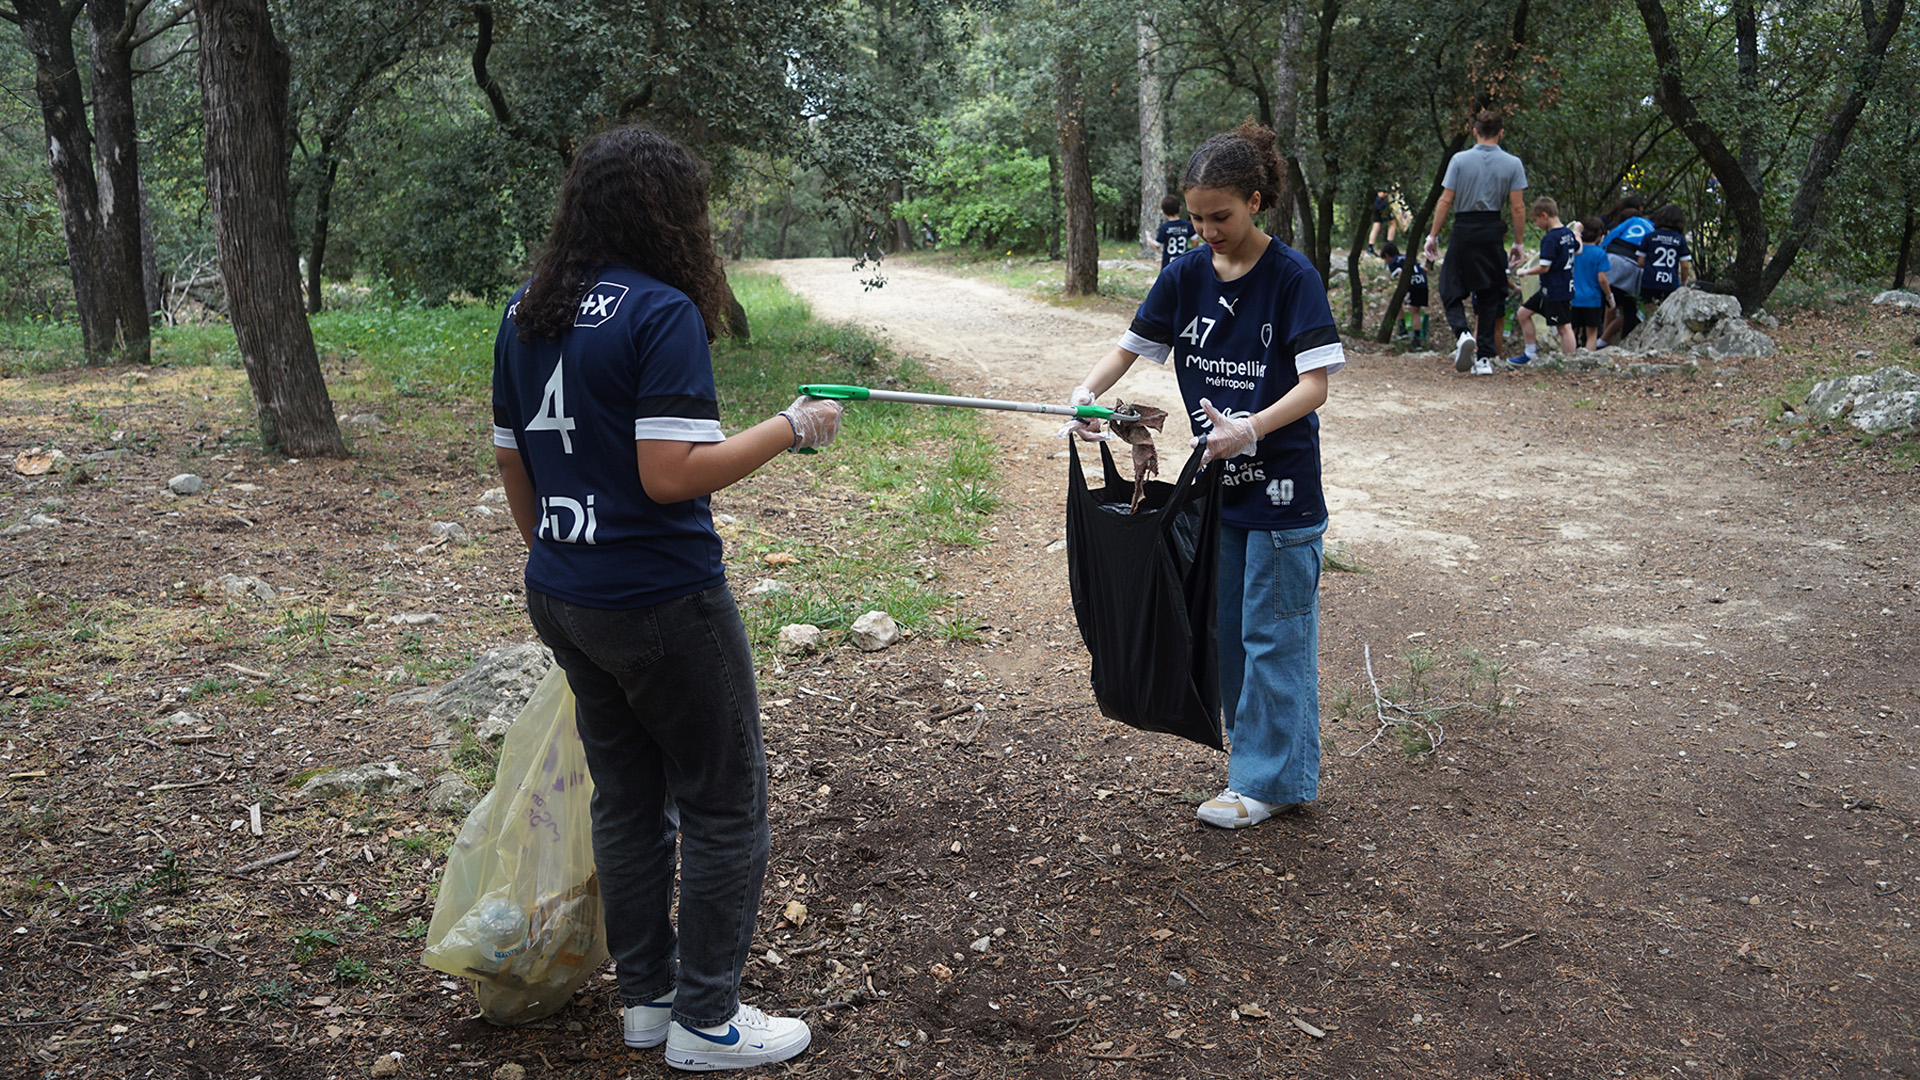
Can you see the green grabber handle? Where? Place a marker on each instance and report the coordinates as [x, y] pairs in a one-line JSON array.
[[861, 393]]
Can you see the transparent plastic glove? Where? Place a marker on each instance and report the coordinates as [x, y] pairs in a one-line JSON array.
[[1432, 250], [1516, 255], [1088, 430], [1230, 436], [815, 421]]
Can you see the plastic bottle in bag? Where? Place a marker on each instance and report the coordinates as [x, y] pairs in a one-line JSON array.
[[501, 928]]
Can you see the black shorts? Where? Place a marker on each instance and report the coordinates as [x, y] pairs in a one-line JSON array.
[[1416, 296], [1586, 316], [1556, 312]]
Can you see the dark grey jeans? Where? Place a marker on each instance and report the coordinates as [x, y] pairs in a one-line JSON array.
[[671, 723]]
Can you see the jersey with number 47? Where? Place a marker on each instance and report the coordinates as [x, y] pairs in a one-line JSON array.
[[634, 365], [1242, 345]]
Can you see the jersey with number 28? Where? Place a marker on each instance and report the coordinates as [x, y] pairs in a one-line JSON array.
[[634, 365], [1242, 345]]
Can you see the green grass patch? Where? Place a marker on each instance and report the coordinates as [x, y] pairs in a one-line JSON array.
[[1413, 707], [927, 475]]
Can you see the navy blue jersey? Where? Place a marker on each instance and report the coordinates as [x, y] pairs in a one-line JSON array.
[[1419, 278], [1242, 345], [1175, 237], [1664, 250], [1557, 251], [634, 365]]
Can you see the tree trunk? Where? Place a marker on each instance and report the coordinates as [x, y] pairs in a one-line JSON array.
[[329, 169], [1325, 193], [1076, 180], [1362, 221], [1906, 248], [1153, 135], [901, 228], [1753, 276], [117, 151], [48, 33], [1286, 121], [786, 219], [1053, 203], [1416, 240], [243, 93]]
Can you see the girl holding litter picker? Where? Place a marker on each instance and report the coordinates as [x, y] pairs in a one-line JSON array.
[[1253, 341], [607, 436]]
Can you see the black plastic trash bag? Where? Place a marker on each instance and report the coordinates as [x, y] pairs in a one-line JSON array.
[[1145, 595]]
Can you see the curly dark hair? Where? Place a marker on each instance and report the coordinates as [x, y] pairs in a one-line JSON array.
[[635, 197], [1243, 160]]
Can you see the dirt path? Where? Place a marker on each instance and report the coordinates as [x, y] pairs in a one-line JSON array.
[[1700, 806]]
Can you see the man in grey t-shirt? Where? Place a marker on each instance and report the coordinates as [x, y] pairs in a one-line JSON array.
[[1479, 181]]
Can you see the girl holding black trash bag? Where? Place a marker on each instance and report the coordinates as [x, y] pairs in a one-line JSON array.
[[607, 436], [1253, 341]]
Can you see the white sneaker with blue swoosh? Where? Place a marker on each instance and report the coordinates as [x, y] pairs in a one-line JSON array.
[[750, 1038], [646, 1025]]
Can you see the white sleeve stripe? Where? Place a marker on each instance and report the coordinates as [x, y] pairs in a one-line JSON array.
[[503, 437], [677, 429], [1332, 357], [1140, 346]]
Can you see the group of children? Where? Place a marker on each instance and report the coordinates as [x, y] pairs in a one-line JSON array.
[[1593, 279]]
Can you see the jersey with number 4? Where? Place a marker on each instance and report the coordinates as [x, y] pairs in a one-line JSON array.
[[1242, 345], [634, 365]]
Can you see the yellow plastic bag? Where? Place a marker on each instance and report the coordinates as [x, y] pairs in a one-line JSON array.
[[519, 909]]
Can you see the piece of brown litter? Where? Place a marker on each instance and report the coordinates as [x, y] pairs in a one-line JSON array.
[[1139, 434]]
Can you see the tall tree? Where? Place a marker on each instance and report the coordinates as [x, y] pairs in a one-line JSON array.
[[1153, 132], [96, 170], [244, 73], [1740, 136], [1082, 249]]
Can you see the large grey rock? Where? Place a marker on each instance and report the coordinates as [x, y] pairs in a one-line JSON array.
[[369, 779], [1734, 336], [490, 693], [1886, 413], [1695, 321], [241, 587], [186, 484], [452, 794], [875, 631], [1834, 398], [1899, 298]]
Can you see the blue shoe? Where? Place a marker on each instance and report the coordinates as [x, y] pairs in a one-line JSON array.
[[1519, 361], [646, 1025]]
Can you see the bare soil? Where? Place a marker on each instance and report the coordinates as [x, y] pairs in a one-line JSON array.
[[1680, 841]]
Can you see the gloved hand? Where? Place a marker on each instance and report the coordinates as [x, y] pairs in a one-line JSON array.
[[1229, 437], [1516, 255], [1432, 250], [1088, 430], [815, 421]]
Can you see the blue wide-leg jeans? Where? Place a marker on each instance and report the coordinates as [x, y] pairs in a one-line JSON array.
[[1270, 660], [670, 718]]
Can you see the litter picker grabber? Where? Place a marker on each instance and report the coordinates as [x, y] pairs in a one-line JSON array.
[[861, 393]]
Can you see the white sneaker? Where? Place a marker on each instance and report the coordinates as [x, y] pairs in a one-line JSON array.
[[1232, 810], [1463, 352], [646, 1025], [750, 1038], [1483, 366]]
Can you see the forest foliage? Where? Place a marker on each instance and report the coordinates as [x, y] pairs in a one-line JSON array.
[[424, 140]]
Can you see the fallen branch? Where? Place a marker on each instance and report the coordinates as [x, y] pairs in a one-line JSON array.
[[271, 860], [1436, 734]]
